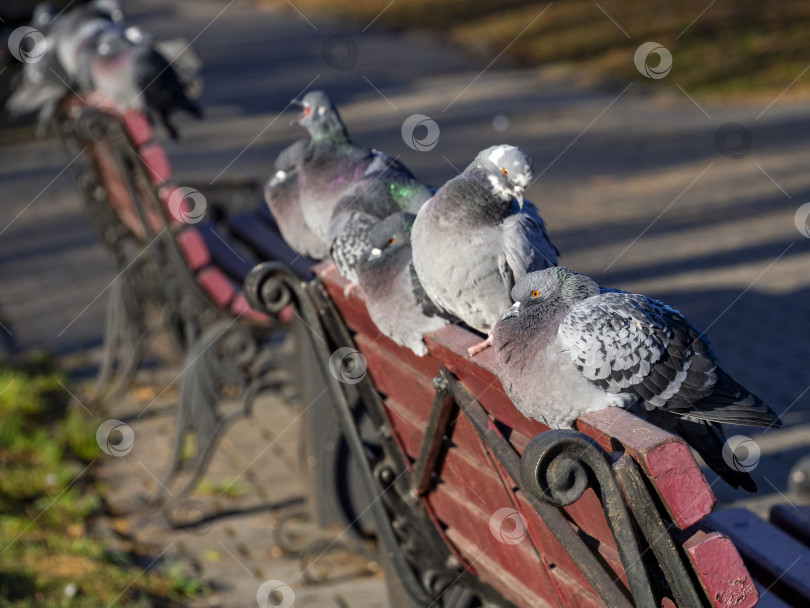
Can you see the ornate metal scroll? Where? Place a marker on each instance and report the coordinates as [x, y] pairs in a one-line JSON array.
[[558, 466], [429, 572]]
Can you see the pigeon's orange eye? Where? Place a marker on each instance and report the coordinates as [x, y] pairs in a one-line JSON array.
[[505, 172], [535, 293], [392, 241]]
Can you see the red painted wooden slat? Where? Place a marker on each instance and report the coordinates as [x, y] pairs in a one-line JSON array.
[[164, 193], [449, 344], [665, 458], [193, 248], [396, 380], [117, 194], [539, 530], [720, 570], [353, 310], [463, 436], [156, 162], [573, 594], [217, 285], [473, 523], [138, 127], [511, 587], [240, 307]]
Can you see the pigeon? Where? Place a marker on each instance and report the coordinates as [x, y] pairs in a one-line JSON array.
[[89, 52], [281, 196], [395, 299], [68, 43], [330, 165], [567, 347], [129, 71], [380, 193], [477, 236]]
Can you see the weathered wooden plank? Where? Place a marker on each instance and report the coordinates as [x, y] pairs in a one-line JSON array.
[[354, 312], [395, 379], [217, 286], [550, 544], [478, 374], [193, 248], [720, 570], [511, 587], [116, 191], [515, 556], [138, 127], [156, 162], [772, 556], [241, 308], [665, 458]]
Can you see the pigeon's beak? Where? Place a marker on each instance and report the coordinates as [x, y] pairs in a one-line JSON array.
[[306, 111], [375, 252], [514, 311], [519, 195]]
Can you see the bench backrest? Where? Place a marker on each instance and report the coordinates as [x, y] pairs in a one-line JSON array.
[[469, 497]]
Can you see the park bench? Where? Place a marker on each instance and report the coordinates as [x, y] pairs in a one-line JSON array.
[[191, 272], [467, 498], [478, 501]]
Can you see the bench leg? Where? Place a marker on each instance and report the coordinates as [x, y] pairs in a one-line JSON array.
[[226, 354]]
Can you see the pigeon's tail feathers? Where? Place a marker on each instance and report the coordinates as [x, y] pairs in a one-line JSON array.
[[29, 97], [167, 124], [707, 439], [731, 403]]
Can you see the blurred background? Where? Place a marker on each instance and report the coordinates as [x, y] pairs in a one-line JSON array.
[[685, 182]]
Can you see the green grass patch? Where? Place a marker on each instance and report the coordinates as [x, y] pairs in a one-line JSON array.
[[48, 499]]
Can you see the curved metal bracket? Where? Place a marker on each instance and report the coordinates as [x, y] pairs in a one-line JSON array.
[[270, 286], [558, 466]]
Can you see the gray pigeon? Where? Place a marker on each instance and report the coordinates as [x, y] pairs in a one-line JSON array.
[[395, 299], [130, 71], [566, 348], [330, 166], [477, 236], [69, 41], [281, 196], [380, 193]]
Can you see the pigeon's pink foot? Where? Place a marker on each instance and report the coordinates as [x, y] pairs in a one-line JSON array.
[[349, 289], [477, 348]]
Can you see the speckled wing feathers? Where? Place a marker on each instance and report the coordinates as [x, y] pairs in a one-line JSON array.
[[628, 343]]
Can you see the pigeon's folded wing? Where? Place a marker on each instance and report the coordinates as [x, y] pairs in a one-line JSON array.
[[628, 343], [525, 244], [380, 161], [291, 156]]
